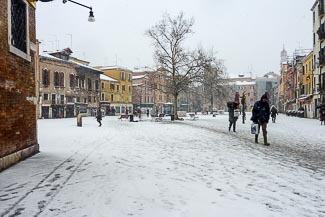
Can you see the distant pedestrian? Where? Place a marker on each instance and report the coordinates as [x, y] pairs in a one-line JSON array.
[[233, 115], [99, 117], [148, 113], [261, 116], [322, 115], [274, 113]]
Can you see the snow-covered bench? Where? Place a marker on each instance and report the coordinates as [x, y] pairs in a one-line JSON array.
[[157, 118], [193, 117], [124, 117]]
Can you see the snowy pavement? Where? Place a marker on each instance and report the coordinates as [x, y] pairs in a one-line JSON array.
[[187, 169]]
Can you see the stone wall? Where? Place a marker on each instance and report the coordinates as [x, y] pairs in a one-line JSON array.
[[18, 130]]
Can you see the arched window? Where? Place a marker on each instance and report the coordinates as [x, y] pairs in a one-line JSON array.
[[56, 79], [61, 79]]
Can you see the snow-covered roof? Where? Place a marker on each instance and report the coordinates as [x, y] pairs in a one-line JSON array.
[[48, 56], [242, 83], [85, 66], [114, 67], [135, 77], [136, 85], [107, 78], [143, 69]]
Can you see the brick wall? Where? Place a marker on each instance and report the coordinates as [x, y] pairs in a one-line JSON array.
[[18, 131]]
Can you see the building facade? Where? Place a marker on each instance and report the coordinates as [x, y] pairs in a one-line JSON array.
[[244, 85], [122, 92], [66, 86], [107, 93], [306, 90], [318, 78], [149, 90], [268, 83], [18, 58]]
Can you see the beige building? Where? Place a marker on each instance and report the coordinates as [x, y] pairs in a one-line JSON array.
[[66, 86], [149, 90]]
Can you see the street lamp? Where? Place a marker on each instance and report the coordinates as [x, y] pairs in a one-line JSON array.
[[91, 17]]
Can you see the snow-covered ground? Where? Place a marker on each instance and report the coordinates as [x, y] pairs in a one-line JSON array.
[[182, 168]]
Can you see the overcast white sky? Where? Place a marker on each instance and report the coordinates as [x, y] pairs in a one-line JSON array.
[[248, 35]]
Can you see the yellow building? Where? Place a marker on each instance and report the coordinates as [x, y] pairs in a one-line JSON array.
[[306, 91], [117, 92]]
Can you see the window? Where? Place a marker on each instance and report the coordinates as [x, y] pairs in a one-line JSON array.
[[45, 77], [56, 79], [78, 99], [103, 85], [85, 100], [72, 81], [53, 99], [62, 99], [61, 79], [112, 97], [46, 96], [112, 86], [118, 87], [82, 83], [129, 88], [18, 28], [77, 81], [123, 76], [89, 99], [123, 87], [95, 99], [89, 84], [96, 85], [103, 97], [130, 77]]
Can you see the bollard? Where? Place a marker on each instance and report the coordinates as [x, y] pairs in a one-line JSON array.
[[79, 120]]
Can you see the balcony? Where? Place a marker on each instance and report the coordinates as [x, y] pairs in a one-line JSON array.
[[321, 34]]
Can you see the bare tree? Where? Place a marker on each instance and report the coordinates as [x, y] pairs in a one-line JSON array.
[[182, 66], [214, 82]]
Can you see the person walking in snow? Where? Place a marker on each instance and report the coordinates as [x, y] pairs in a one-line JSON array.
[[274, 113], [148, 113], [233, 117], [99, 117], [322, 115], [261, 116]]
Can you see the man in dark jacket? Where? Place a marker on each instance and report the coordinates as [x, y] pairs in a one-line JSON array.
[[232, 117], [99, 117], [261, 116]]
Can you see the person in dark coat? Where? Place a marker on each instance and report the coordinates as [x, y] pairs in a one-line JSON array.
[[274, 113], [232, 117], [261, 116], [148, 113], [99, 117], [322, 115]]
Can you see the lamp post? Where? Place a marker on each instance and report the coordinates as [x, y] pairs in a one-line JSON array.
[[91, 17]]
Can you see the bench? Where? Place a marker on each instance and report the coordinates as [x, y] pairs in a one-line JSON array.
[[192, 116], [124, 117], [157, 118]]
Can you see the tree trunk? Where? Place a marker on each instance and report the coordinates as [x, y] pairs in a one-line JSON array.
[[175, 105], [211, 103]]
